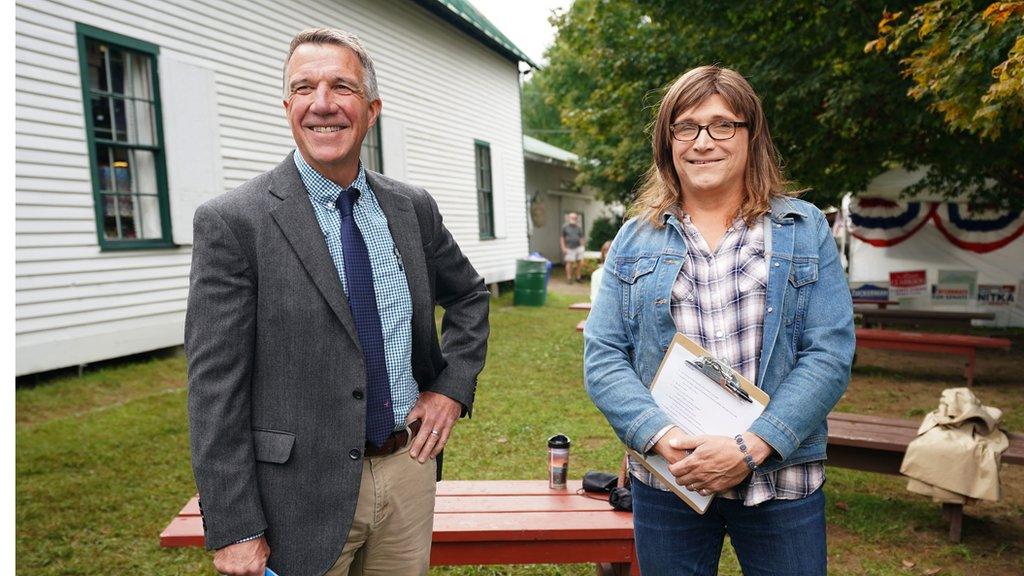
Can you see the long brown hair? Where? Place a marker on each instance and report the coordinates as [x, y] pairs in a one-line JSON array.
[[660, 190]]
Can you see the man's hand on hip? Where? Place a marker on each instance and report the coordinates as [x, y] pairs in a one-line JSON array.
[[437, 414], [243, 559]]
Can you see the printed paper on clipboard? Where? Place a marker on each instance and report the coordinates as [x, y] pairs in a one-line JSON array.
[[699, 404]]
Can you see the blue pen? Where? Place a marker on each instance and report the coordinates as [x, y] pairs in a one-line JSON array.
[[269, 572]]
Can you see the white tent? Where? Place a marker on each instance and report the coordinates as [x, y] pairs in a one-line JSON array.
[[886, 233]]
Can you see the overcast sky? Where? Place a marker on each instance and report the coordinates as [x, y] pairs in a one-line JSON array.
[[525, 22]]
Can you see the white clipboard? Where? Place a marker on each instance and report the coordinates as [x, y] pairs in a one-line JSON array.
[[698, 404]]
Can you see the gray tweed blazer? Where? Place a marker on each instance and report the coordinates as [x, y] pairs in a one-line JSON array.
[[275, 371]]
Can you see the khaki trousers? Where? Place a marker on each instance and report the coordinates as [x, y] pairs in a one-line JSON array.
[[394, 518]]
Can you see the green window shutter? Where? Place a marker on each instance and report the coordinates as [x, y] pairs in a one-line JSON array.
[[124, 130], [484, 190], [372, 153]]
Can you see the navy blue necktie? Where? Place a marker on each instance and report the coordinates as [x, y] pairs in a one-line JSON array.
[[362, 300]]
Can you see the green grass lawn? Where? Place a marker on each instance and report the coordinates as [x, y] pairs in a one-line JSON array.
[[103, 459]]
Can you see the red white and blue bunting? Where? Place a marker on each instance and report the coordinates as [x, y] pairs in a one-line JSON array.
[[978, 231], [882, 222]]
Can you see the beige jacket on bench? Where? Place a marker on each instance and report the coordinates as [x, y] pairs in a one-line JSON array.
[[955, 457]]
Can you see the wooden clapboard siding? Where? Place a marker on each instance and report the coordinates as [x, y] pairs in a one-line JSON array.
[[54, 240], [84, 292], [29, 197], [71, 280], [441, 89]]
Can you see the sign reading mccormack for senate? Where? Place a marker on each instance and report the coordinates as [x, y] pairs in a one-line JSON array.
[[957, 279], [957, 293]]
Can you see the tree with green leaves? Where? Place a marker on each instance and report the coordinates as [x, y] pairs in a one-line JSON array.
[[966, 61], [540, 117], [839, 116]]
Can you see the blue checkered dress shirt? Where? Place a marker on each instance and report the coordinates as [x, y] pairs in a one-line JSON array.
[[393, 300]]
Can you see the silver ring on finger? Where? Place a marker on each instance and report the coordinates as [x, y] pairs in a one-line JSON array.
[[435, 433]]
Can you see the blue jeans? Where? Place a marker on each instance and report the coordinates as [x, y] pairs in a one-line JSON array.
[[778, 537]]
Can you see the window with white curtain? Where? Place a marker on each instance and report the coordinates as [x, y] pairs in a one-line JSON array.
[[123, 124]]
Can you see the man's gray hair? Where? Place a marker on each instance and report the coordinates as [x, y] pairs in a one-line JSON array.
[[338, 38]]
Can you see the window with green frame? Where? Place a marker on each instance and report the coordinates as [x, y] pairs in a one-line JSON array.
[[484, 190], [121, 94], [371, 154]]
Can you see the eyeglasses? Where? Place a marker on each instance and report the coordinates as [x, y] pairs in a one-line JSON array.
[[720, 130]]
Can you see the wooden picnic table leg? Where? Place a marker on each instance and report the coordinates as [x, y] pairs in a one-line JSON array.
[[618, 569], [612, 569], [971, 360], [954, 513]]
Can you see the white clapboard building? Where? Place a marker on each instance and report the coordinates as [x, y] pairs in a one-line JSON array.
[[130, 113], [552, 194]]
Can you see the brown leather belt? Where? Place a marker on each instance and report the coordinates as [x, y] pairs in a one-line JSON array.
[[395, 442]]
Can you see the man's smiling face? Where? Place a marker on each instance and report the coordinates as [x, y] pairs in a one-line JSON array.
[[327, 108]]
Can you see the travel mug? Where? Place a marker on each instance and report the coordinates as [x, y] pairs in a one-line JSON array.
[[558, 461]]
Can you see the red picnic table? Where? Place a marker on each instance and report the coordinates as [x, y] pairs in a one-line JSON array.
[[940, 319], [501, 522], [959, 344]]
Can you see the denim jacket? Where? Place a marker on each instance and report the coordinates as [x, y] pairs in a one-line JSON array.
[[807, 346]]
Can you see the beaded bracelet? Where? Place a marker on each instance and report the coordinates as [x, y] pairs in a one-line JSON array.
[[747, 458]]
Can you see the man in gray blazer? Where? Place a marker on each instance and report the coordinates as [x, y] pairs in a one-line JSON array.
[[319, 396]]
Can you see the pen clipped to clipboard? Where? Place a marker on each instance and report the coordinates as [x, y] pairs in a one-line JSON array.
[[702, 396], [720, 374]]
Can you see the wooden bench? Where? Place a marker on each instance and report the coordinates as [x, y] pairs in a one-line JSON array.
[[880, 304], [524, 522], [960, 322], [962, 345], [877, 444], [500, 522]]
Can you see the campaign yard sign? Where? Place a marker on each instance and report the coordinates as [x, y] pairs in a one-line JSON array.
[[956, 279], [872, 291], [997, 294], [908, 283], [952, 293]]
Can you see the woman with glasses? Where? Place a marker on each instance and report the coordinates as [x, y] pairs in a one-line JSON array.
[[718, 251]]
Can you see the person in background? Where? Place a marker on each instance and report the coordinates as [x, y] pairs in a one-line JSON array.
[[595, 276], [717, 250], [571, 241]]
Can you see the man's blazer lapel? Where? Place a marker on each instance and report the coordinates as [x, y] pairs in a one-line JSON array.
[[405, 231], [295, 216]]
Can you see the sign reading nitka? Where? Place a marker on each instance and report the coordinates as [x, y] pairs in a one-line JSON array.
[[997, 294], [908, 283]]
